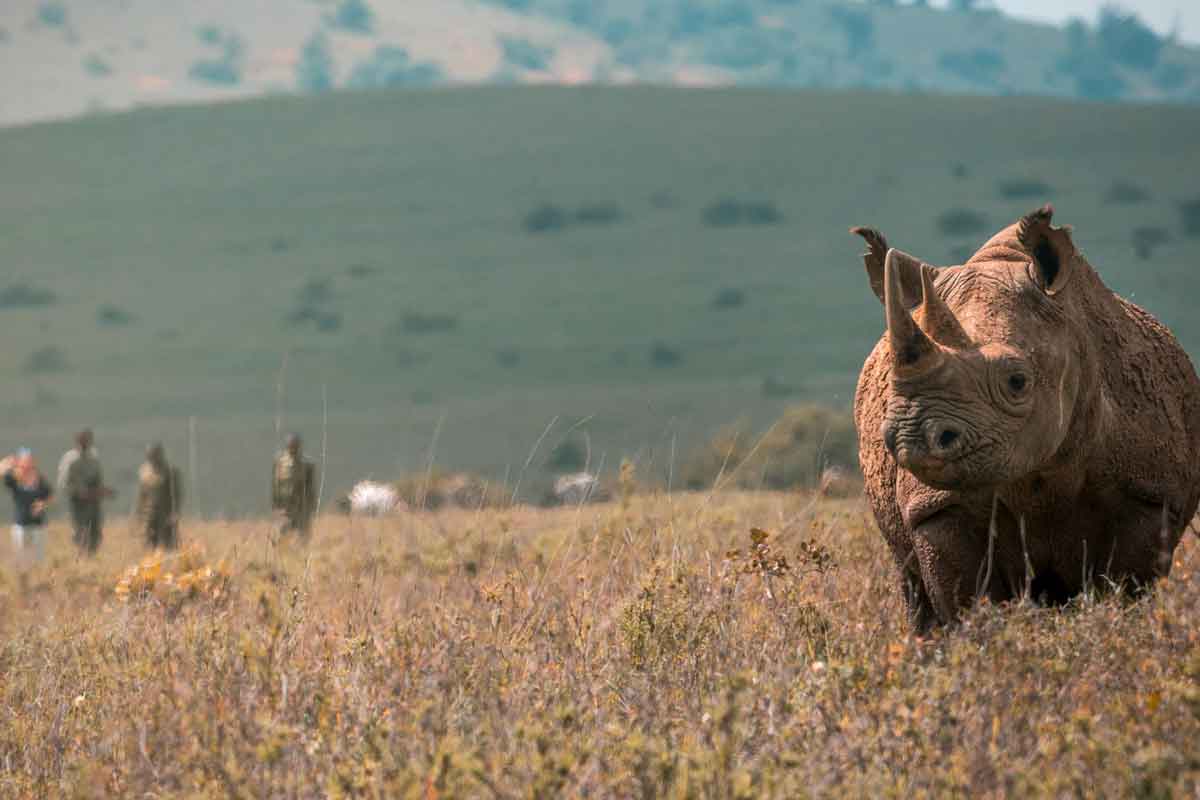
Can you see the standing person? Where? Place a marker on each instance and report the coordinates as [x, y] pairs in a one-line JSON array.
[[82, 481], [293, 489], [31, 493], [159, 498]]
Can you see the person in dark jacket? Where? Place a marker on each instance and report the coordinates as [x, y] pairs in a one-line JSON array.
[[31, 494]]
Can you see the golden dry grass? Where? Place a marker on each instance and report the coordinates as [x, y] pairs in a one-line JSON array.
[[608, 651]]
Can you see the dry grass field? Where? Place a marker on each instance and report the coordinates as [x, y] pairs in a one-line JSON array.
[[618, 650]]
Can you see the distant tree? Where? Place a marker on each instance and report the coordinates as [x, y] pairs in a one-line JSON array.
[[857, 26], [52, 15], [524, 54], [215, 71], [354, 16], [314, 72], [392, 66], [96, 66], [1170, 76], [1126, 39], [982, 66], [225, 70], [1090, 68], [1077, 34], [209, 34]]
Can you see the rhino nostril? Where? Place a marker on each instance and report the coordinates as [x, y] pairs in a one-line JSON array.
[[947, 438]]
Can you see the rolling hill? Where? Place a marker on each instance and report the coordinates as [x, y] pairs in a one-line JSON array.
[[451, 276], [69, 57]]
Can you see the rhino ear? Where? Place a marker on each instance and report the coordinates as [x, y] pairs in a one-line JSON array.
[[1051, 248], [909, 268]]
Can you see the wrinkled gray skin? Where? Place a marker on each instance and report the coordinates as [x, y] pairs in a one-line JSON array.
[[1017, 395]]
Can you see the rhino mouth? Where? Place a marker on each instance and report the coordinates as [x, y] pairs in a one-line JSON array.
[[930, 507]]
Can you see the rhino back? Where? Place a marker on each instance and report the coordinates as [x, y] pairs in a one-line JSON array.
[[1153, 397]]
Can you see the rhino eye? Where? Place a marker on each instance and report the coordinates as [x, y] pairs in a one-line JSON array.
[[1017, 382]]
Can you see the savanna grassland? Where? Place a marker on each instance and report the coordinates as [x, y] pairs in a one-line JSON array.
[[465, 272], [651, 647]]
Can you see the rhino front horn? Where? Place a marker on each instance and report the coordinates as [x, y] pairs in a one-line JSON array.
[[910, 345]]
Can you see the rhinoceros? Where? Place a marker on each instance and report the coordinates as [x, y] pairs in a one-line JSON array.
[[1023, 431]]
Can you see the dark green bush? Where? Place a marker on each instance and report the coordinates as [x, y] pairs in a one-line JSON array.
[[662, 356], [45, 361], [420, 322], [727, 298], [22, 295], [795, 452]]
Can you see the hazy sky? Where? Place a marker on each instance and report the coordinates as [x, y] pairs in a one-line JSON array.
[[1162, 15]]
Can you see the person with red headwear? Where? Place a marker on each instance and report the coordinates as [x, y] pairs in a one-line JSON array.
[[31, 493]]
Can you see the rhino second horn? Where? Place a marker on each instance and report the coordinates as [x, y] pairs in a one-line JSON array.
[[910, 345], [938, 320]]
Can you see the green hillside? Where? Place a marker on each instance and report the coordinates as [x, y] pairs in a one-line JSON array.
[[461, 268]]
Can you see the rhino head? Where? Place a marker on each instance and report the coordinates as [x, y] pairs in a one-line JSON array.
[[985, 358]]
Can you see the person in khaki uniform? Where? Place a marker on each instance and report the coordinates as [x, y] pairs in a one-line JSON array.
[[159, 498], [81, 479], [293, 489]]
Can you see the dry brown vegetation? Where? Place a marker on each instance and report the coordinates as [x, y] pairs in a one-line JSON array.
[[620, 650]]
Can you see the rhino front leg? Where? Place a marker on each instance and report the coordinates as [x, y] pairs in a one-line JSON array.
[[921, 614], [951, 551]]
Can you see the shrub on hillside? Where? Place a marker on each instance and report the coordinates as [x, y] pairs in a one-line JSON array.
[[508, 357], [315, 291], [961, 222], [795, 452], [598, 214], [1126, 193], [45, 361], [113, 316], [729, 212], [1024, 189], [1148, 238], [421, 322], [1189, 210], [22, 295], [663, 356], [727, 298], [546, 218]]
